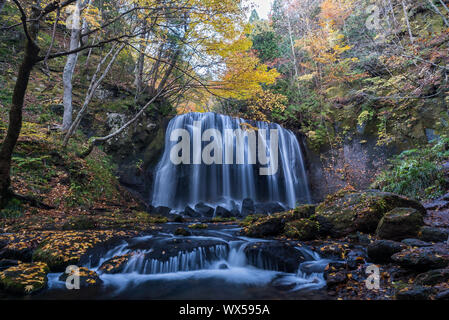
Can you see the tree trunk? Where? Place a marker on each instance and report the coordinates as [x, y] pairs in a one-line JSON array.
[[15, 120], [407, 21], [2, 4], [69, 69]]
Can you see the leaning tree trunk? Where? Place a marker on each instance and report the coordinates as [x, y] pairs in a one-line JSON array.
[[15, 120]]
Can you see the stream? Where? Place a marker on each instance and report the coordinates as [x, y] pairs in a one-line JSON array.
[[215, 263]]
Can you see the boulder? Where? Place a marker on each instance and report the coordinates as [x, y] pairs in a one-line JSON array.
[[302, 229], [416, 243], [162, 211], [443, 295], [188, 211], [116, 264], [380, 251], [437, 205], [433, 234], [265, 228], [334, 279], [88, 278], [399, 224], [274, 256], [446, 196], [248, 207], [182, 232], [413, 293], [7, 263], [222, 212], [355, 257], [269, 208], [204, 210], [349, 211], [24, 278], [422, 259], [433, 277]]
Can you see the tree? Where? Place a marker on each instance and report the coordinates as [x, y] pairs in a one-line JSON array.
[[31, 17], [70, 65]]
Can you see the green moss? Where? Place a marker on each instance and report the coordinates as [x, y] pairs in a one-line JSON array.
[[26, 278], [198, 226], [303, 229]]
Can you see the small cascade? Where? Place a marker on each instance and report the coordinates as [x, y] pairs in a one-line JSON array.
[[218, 260]]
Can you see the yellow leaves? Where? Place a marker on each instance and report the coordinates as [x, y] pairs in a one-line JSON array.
[[244, 77], [29, 288]]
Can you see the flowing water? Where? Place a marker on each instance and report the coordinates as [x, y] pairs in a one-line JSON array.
[[211, 264], [176, 186]]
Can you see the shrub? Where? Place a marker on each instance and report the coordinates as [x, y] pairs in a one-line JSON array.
[[417, 173]]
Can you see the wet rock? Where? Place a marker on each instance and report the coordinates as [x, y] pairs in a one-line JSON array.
[[416, 243], [274, 225], [433, 277], [437, 205], [399, 224], [269, 208], [413, 293], [332, 250], [204, 210], [434, 234], [162, 211], [20, 253], [222, 212], [178, 219], [349, 212], [7, 263], [355, 257], [248, 207], [182, 232], [422, 259], [25, 278], [380, 251], [302, 229], [223, 266], [443, 295], [446, 196], [334, 279], [88, 278], [188, 211], [116, 264], [265, 228], [274, 256]]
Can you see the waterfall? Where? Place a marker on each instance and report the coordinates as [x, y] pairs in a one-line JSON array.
[[178, 185]]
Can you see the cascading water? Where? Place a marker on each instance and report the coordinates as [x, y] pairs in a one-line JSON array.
[[176, 186], [216, 263]]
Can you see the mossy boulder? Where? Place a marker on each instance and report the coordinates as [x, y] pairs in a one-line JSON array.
[[274, 225], [302, 229], [348, 211], [399, 224], [25, 278], [182, 232]]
